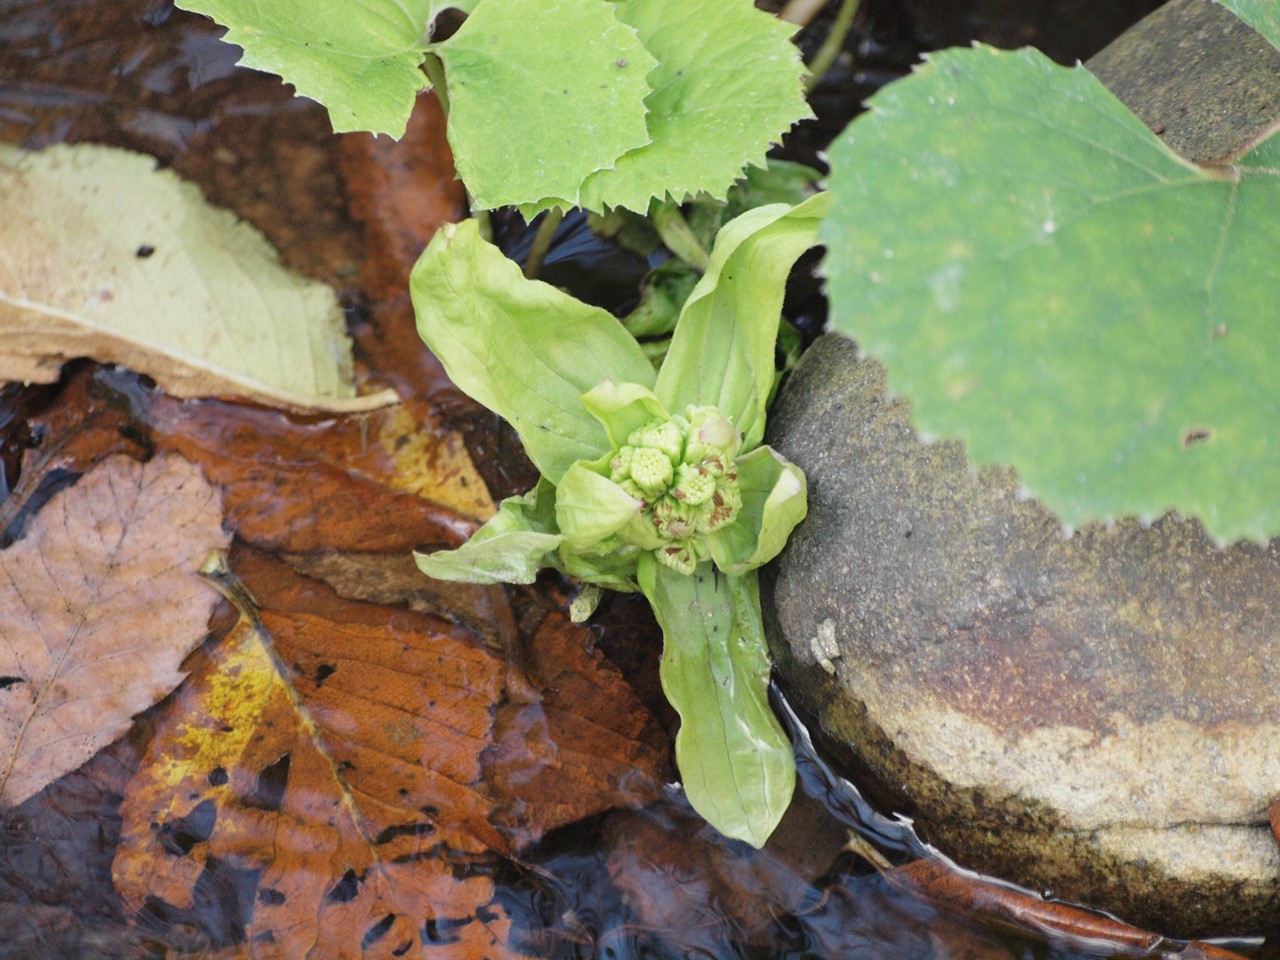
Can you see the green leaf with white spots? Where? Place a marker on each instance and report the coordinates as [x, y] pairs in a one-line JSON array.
[[1046, 280], [543, 93], [727, 85], [361, 60]]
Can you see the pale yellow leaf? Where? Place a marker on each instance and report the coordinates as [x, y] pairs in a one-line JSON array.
[[104, 256]]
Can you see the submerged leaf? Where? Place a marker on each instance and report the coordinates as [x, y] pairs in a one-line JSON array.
[[104, 256], [722, 353], [1046, 280], [521, 347], [359, 766], [542, 94], [361, 60], [99, 605], [735, 761]]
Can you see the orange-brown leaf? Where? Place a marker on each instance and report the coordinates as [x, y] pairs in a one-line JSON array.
[[99, 605], [341, 753], [240, 776]]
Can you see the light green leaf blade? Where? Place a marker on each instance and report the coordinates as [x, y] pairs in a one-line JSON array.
[[1262, 15], [542, 94], [103, 255], [774, 501], [520, 347], [361, 60], [736, 763], [591, 508], [622, 408], [613, 571], [1047, 281], [727, 85], [722, 351], [510, 548]]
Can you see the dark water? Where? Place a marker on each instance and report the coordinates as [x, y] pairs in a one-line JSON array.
[[648, 883]]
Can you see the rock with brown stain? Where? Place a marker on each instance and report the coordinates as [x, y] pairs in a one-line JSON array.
[[1096, 715]]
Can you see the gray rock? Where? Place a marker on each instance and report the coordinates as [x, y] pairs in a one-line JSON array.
[[1098, 716]]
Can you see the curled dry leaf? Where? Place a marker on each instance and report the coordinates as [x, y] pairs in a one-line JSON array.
[[99, 605], [105, 256], [343, 756]]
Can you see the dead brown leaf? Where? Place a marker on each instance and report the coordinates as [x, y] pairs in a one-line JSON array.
[[99, 604], [344, 755], [1003, 906]]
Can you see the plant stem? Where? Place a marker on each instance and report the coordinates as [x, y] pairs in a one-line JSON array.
[[832, 46], [542, 242], [435, 73], [679, 237], [800, 12], [483, 224]]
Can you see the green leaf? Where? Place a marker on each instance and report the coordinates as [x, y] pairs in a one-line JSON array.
[[663, 297], [360, 60], [735, 761], [520, 347], [1046, 280], [613, 571], [591, 508], [727, 85], [622, 408], [1262, 15], [723, 348], [102, 255], [510, 548], [542, 94], [774, 500]]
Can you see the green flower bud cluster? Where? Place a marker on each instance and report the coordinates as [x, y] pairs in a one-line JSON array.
[[683, 472]]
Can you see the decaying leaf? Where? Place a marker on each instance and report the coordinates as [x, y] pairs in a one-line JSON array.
[[385, 481], [107, 257], [357, 763], [999, 905], [99, 604]]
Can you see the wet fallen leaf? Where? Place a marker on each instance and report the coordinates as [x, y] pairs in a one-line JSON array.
[[300, 487], [59, 844], [99, 604], [355, 767], [1005, 907], [102, 252], [385, 481], [401, 190], [348, 857]]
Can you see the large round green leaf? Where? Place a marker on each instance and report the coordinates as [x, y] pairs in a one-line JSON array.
[[542, 93], [1044, 279], [727, 85], [360, 59]]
